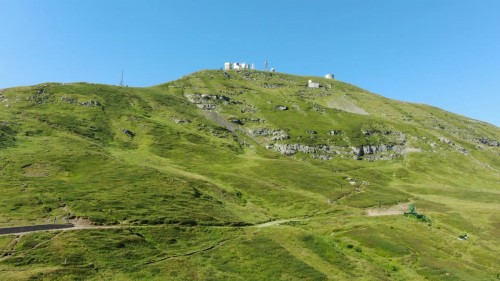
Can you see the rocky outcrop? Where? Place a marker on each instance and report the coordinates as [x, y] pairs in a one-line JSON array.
[[447, 141], [235, 121], [275, 134], [90, 103], [327, 152], [281, 107], [291, 149], [209, 102], [452, 144], [207, 106], [128, 132], [487, 141], [334, 132], [41, 96], [253, 120], [182, 121]]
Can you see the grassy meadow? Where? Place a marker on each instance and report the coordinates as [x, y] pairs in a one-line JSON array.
[[178, 180]]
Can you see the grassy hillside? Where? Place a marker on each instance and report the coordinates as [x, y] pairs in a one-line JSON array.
[[181, 176]]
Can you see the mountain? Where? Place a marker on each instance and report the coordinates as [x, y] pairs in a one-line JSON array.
[[244, 176]]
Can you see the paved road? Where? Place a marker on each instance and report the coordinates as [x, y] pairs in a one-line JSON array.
[[33, 228]]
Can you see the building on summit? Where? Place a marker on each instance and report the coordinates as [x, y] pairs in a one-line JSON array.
[[238, 66], [312, 84]]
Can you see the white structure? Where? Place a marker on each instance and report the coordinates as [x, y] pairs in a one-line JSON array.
[[236, 66], [312, 84], [329, 76]]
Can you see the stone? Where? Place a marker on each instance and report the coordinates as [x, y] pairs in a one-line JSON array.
[[128, 132], [182, 121]]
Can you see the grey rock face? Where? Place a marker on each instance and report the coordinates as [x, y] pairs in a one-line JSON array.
[[487, 141], [235, 121], [334, 132], [209, 102], [447, 141], [90, 103], [207, 106], [128, 132], [275, 134], [182, 121]]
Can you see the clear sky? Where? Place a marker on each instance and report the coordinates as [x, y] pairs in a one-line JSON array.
[[444, 53]]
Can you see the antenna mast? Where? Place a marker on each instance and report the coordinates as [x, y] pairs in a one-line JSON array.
[[265, 65], [121, 80]]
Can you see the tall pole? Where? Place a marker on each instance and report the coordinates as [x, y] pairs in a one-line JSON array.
[[121, 80]]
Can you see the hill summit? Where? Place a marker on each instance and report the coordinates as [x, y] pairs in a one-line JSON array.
[[244, 175]]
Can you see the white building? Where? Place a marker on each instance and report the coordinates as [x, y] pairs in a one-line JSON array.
[[312, 84], [329, 76], [237, 66]]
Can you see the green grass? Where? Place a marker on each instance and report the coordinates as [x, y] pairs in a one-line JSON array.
[[182, 192]]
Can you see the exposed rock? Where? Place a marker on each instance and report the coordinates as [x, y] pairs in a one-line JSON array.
[[207, 106], [281, 107], [371, 149], [255, 120], [334, 132], [235, 120], [41, 96], [182, 121], [248, 108], [312, 132], [291, 149], [367, 152], [128, 132], [447, 141], [201, 99], [322, 157], [462, 150], [90, 103], [487, 141], [275, 134], [69, 100]]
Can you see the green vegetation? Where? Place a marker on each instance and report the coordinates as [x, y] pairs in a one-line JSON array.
[[176, 179]]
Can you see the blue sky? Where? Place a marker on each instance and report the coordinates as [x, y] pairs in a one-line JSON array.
[[444, 53]]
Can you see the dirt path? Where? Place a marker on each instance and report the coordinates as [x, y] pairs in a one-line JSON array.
[[83, 223], [277, 222], [398, 209]]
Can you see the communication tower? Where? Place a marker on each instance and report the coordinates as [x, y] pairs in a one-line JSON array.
[[121, 80]]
